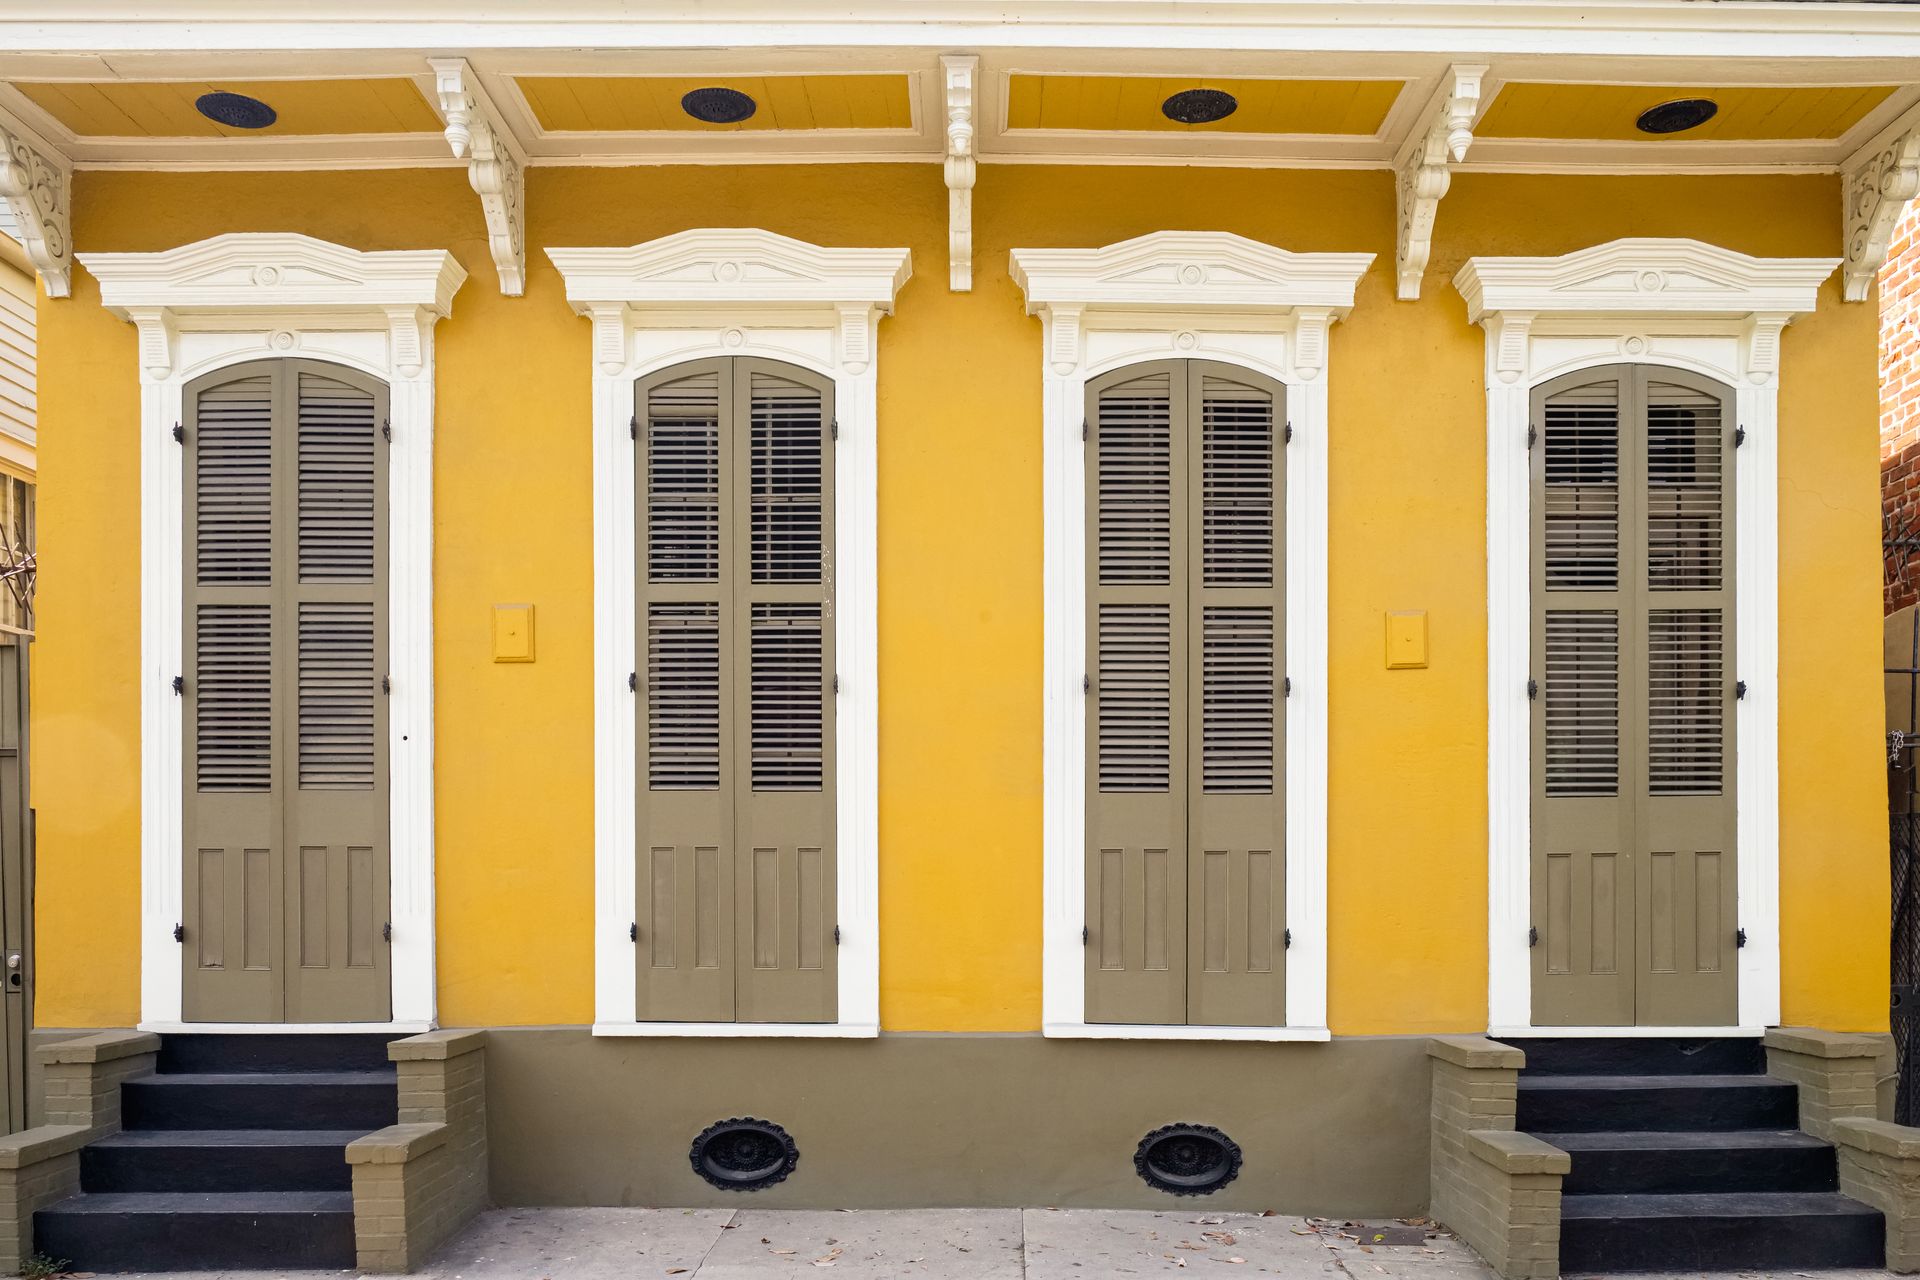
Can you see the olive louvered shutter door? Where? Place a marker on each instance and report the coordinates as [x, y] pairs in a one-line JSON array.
[[736, 890], [234, 966], [685, 627], [1235, 774], [783, 749], [1632, 803], [285, 804]]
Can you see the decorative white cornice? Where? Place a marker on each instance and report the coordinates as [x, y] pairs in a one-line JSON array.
[[959, 74], [1642, 276], [1424, 169], [36, 186], [1191, 272], [250, 274], [738, 269], [496, 165], [1877, 184]]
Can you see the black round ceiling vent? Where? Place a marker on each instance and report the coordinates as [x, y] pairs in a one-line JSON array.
[[235, 110], [1199, 106], [1187, 1159], [1677, 116], [718, 106], [744, 1154]]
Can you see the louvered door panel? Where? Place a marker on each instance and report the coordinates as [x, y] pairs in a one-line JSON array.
[[1236, 924], [285, 623], [1136, 856], [684, 917], [784, 881], [1633, 866]]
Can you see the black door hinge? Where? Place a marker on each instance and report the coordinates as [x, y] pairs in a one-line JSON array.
[[1286, 687], [179, 685], [633, 932], [1086, 684], [633, 427], [1083, 430], [386, 430], [1533, 436], [1288, 438], [1533, 690], [179, 434], [1286, 939], [633, 682], [179, 933], [1739, 690], [1739, 436], [836, 683], [386, 931], [836, 935], [1533, 935], [386, 685], [1085, 936], [1739, 937], [833, 429]]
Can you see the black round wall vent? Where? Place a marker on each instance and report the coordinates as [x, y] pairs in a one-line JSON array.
[[744, 1154], [718, 106], [235, 110], [1199, 106], [1677, 116], [1187, 1159]]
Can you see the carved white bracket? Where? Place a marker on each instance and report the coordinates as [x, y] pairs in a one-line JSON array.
[[36, 185], [495, 166], [1424, 168], [959, 73], [1878, 184]]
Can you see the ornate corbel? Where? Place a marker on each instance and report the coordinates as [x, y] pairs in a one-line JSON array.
[[495, 165], [1310, 325], [1424, 170], [609, 335], [1879, 183], [959, 73], [1760, 346], [407, 329], [1508, 349], [856, 336], [1064, 328], [36, 182], [154, 325]]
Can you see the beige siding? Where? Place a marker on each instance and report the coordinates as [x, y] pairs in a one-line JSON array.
[[17, 353]]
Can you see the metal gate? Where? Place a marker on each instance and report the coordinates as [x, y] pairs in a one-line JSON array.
[[1902, 639]]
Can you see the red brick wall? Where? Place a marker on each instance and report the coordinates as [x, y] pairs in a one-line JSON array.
[[1900, 406]]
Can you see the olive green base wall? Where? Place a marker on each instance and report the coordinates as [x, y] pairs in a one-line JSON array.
[[957, 1120]]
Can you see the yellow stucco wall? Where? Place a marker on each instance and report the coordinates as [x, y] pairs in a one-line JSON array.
[[960, 527]]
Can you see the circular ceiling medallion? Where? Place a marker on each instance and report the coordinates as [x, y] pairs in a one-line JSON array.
[[1199, 106], [744, 1154], [1187, 1159], [1677, 116], [235, 110], [718, 105]]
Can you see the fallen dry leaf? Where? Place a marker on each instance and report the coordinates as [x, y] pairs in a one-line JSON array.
[[1219, 1237], [1236, 1259], [676, 1271], [782, 1252]]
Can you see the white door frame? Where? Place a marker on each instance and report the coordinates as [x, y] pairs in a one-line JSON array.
[[230, 300], [1686, 305]]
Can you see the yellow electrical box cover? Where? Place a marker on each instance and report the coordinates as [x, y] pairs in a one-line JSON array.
[[1406, 639], [513, 633]]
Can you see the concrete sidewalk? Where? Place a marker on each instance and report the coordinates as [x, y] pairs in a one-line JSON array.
[[936, 1244]]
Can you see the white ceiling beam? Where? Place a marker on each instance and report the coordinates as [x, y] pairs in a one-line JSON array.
[[959, 74], [496, 166], [1424, 168], [1876, 185], [36, 186]]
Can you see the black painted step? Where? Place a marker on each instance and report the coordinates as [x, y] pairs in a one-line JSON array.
[[1586, 1104], [363, 1100], [1636, 1056], [199, 1232], [198, 1052], [219, 1160], [1674, 1163], [1776, 1231]]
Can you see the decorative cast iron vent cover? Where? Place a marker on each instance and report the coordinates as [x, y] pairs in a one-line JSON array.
[[1187, 1159], [1199, 106], [744, 1154], [1677, 116], [718, 105], [235, 110]]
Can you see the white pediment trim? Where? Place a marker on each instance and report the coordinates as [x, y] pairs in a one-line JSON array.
[[1190, 270], [1643, 276], [732, 265], [250, 274]]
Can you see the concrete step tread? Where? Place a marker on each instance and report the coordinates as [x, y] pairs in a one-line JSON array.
[[206, 1202], [1682, 1140], [266, 1079], [1555, 1083], [230, 1138], [1738, 1204]]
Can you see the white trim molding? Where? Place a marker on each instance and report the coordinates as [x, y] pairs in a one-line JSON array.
[[1424, 169], [693, 296], [959, 75], [1686, 305], [1184, 295], [496, 166], [255, 296], [36, 188], [1876, 186]]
